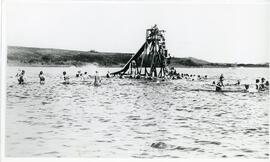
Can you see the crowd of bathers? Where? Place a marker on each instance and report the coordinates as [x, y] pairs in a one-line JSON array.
[[261, 84], [191, 77], [66, 79], [174, 75]]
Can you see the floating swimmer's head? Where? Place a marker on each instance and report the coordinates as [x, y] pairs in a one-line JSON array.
[[41, 72], [267, 83], [257, 80], [64, 73]]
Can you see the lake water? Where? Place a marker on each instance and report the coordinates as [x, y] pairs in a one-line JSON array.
[[124, 117]]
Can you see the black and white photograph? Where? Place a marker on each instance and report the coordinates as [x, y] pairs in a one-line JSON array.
[[135, 79]]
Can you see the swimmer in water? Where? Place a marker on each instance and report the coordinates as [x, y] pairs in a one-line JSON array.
[[18, 73], [79, 74], [246, 87], [257, 84], [41, 77], [238, 82], [261, 87], [218, 86], [97, 80], [221, 79], [267, 85], [84, 76], [108, 74], [21, 78], [66, 78]]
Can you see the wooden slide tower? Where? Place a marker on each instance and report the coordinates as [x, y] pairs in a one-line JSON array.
[[151, 60]]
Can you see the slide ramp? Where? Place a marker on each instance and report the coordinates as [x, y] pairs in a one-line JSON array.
[[137, 55]]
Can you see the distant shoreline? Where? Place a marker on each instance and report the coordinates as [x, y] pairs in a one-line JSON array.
[[27, 65], [48, 57]]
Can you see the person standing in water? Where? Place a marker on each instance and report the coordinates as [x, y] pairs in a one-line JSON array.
[[220, 83], [97, 81], [257, 82], [21, 78], [221, 79], [18, 73], [267, 85], [84, 77], [79, 74], [66, 78], [108, 74], [261, 86], [41, 77], [218, 86]]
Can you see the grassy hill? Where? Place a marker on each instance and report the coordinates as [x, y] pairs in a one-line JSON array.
[[47, 56], [28, 56], [188, 61]]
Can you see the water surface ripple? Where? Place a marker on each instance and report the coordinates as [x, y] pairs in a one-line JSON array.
[[134, 118]]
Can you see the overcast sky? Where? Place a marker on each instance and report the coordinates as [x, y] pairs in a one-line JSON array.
[[214, 32]]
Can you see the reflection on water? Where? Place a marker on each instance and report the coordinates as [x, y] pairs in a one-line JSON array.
[[134, 118]]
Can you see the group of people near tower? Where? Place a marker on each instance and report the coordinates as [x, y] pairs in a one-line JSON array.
[[261, 84], [192, 77]]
